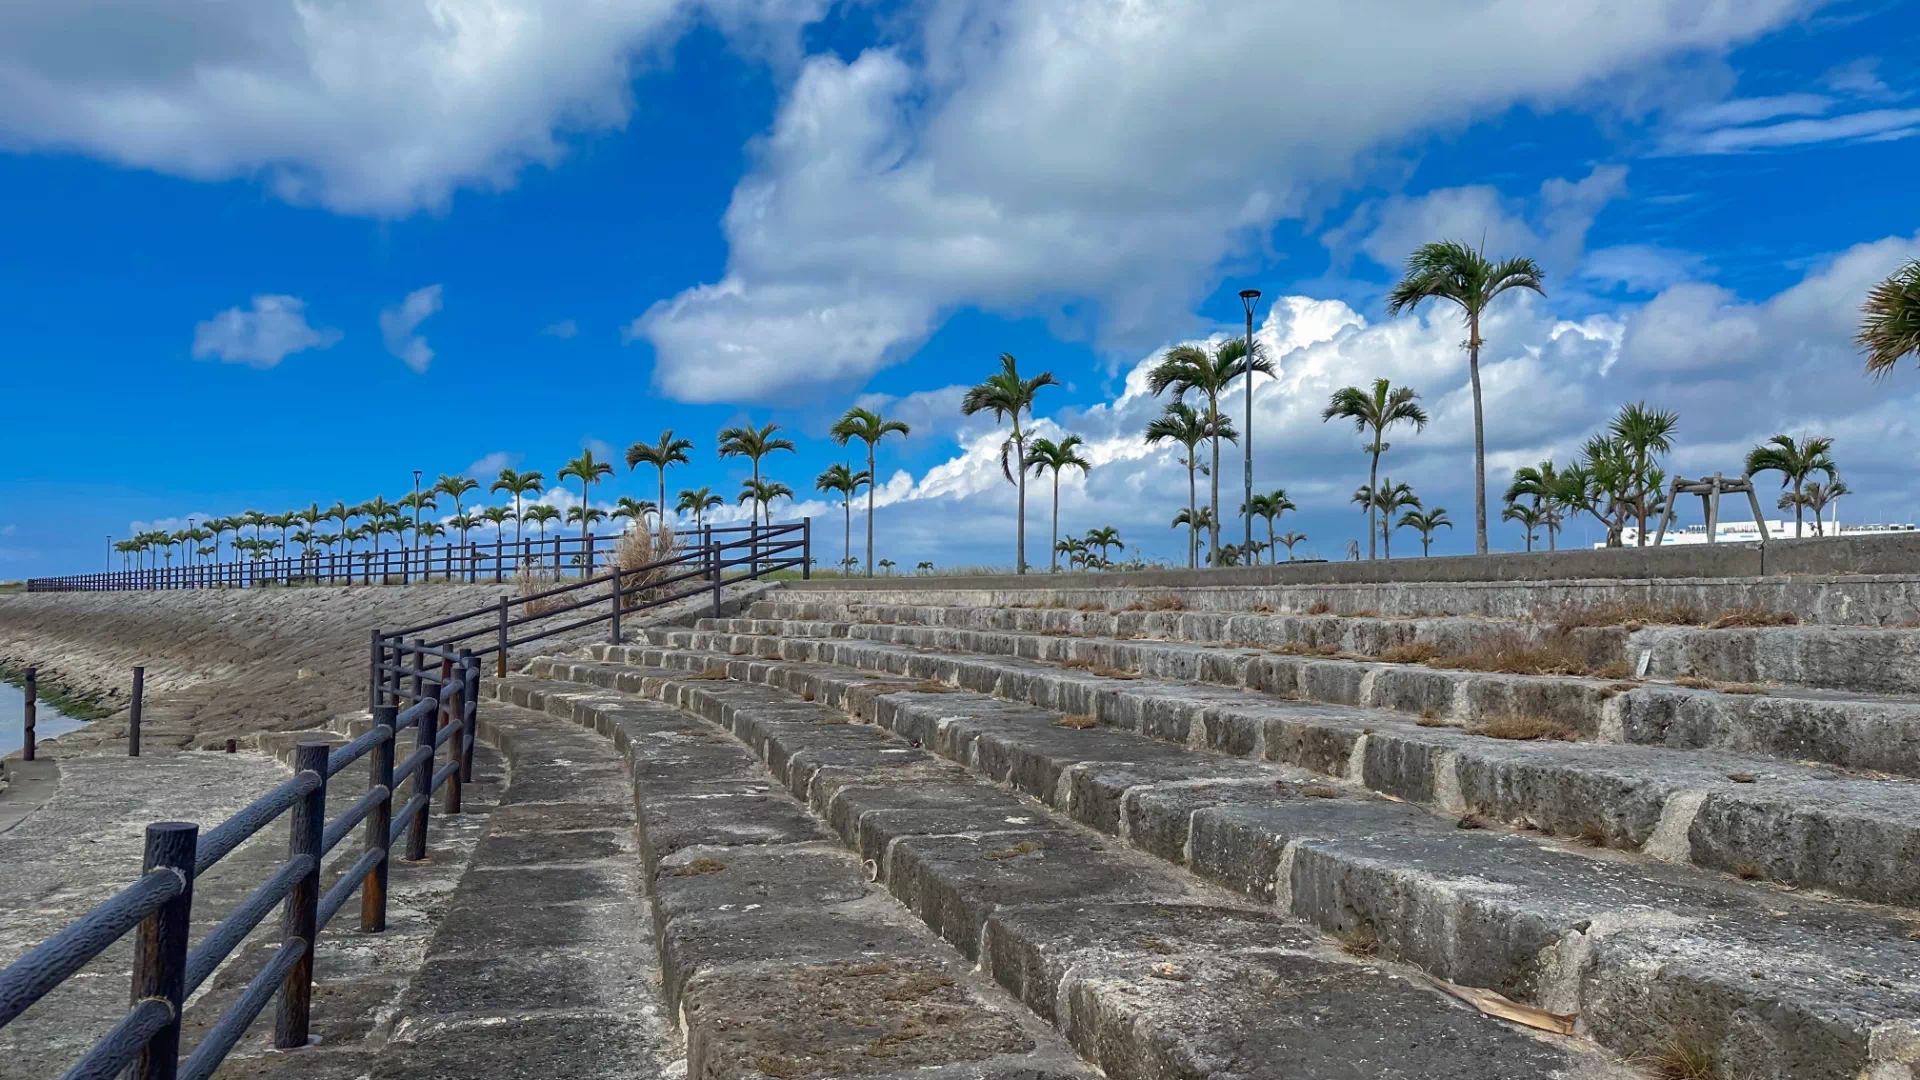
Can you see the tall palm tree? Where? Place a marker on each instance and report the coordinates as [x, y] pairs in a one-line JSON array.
[[256, 519], [1541, 484], [753, 444], [1074, 548], [419, 502], [519, 485], [1642, 434], [456, 488], [1796, 462], [1046, 454], [339, 512], [1451, 271], [762, 493], [668, 452], [1196, 521], [1191, 368], [1390, 498], [464, 522], [1183, 424], [1424, 522], [540, 514], [589, 472], [1269, 507], [869, 427], [1377, 411], [1890, 320], [697, 502], [1103, 538], [844, 482], [1528, 517], [585, 516], [1005, 394]]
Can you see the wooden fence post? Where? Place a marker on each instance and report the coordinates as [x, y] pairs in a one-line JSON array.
[[133, 715], [32, 690], [160, 951], [373, 892], [300, 915]]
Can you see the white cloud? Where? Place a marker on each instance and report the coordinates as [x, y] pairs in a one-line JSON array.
[[262, 336], [1874, 125], [362, 106], [398, 323], [1641, 267], [1552, 227], [563, 329], [925, 412], [175, 523], [488, 468], [1029, 156], [1744, 125]]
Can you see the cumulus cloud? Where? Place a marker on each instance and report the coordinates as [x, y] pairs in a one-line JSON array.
[[488, 467], [274, 328], [1551, 227], [362, 106], [398, 323], [1061, 157]]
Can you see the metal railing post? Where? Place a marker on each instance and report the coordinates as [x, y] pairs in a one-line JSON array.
[[429, 730], [160, 951], [375, 677], [300, 916], [133, 714], [470, 674], [500, 656], [713, 562], [456, 713], [373, 891], [419, 667], [614, 638], [32, 691], [806, 549]]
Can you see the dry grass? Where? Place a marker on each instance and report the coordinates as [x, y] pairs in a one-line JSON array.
[[1742, 777], [1681, 1057], [1318, 791], [1470, 821], [1024, 847], [713, 674], [1107, 672], [1411, 652], [929, 686], [535, 577], [1093, 605], [1360, 942], [1319, 607], [640, 546], [1430, 718], [1513, 653], [1522, 728], [1166, 602], [1741, 618], [1695, 682], [1592, 835], [1747, 871], [699, 866], [1077, 662], [1620, 613], [1078, 722]]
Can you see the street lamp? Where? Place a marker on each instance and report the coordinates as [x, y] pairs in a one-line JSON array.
[[109, 553], [1248, 298]]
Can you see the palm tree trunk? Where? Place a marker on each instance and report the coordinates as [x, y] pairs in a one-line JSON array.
[[869, 509], [1373, 482], [1193, 514], [1798, 509], [1020, 513], [1386, 538], [1272, 556], [1054, 567], [1479, 438], [1213, 534]]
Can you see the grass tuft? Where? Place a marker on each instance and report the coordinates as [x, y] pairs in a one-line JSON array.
[[1741, 618], [1592, 835], [1107, 672], [1620, 613], [1093, 605], [1411, 652], [1512, 653], [1522, 728], [1747, 871], [712, 674], [1319, 607], [699, 866], [1024, 847], [1078, 722], [1166, 602], [1360, 942], [1681, 1056], [931, 686], [1470, 821], [1318, 791]]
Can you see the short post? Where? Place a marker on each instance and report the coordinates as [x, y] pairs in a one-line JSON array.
[[806, 549], [456, 713], [300, 915], [617, 575], [499, 559], [133, 716], [500, 654], [160, 952], [470, 668], [32, 691], [587, 570], [713, 562], [373, 892], [429, 730]]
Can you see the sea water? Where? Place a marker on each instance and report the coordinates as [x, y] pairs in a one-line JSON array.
[[47, 720]]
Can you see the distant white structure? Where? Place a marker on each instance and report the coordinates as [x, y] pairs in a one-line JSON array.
[[1738, 532]]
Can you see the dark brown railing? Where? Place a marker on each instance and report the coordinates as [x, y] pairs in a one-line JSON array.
[[168, 968], [472, 562]]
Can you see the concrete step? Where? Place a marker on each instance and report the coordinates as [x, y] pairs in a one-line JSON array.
[[1876, 734], [773, 951], [1148, 972], [1861, 659], [1764, 982], [1789, 823]]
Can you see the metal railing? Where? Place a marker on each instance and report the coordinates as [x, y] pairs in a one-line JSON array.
[[158, 907], [472, 562]]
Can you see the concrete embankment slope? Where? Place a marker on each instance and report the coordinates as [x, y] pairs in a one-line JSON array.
[[220, 663]]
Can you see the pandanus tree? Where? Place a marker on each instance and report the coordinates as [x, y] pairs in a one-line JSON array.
[[1044, 456], [1376, 411], [1796, 462], [697, 501], [1006, 395], [519, 485], [1424, 522], [843, 481], [1890, 320], [1455, 273], [869, 427], [1181, 423], [589, 471], [662, 455], [753, 444], [1191, 368]]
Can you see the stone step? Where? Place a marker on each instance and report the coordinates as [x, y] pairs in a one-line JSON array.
[[1148, 972], [1788, 823], [1868, 734], [1860, 659], [774, 953], [1615, 939]]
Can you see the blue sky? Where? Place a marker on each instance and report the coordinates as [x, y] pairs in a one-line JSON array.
[[263, 255]]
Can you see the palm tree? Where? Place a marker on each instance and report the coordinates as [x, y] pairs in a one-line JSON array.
[[1103, 538], [1006, 394], [1289, 540], [464, 522], [419, 502], [1890, 320], [1073, 548], [1541, 484], [588, 471], [1046, 454], [256, 519], [456, 487], [1182, 424], [753, 444], [1527, 516], [1451, 271], [540, 514], [1818, 496], [339, 512], [1796, 462], [1390, 498], [1377, 411], [842, 481], [698, 502], [1424, 522], [499, 516], [1270, 506], [1641, 433], [585, 516], [923, 567], [1190, 367], [662, 455], [519, 485], [633, 509], [1195, 521], [376, 509], [761, 494], [867, 426]]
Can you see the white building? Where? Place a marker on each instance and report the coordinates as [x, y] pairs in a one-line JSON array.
[[1745, 532]]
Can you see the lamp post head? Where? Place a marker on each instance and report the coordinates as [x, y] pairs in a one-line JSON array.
[[1248, 298]]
